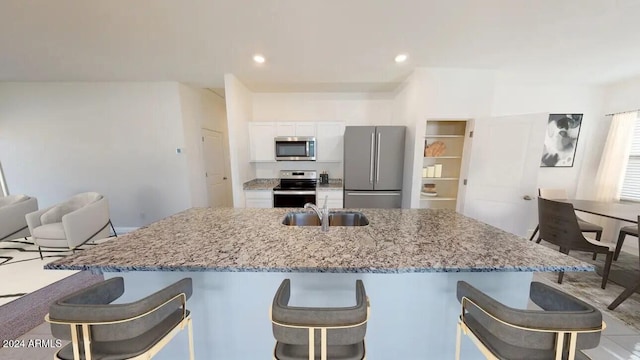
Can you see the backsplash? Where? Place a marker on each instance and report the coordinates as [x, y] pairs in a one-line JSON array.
[[271, 170]]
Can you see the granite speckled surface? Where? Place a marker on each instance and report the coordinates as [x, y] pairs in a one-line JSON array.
[[255, 240], [334, 184], [260, 184], [269, 184]]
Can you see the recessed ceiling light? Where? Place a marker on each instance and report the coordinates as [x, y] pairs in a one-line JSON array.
[[258, 58], [401, 58]]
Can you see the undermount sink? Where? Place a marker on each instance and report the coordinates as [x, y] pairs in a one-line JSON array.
[[336, 218]]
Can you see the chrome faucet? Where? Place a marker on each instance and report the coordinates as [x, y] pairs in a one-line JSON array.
[[323, 214]]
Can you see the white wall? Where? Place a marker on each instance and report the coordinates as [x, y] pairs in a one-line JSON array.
[[622, 96], [405, 111], [514, 96], [239, 113], [446, 93], [200, 109], [193, 115], [119, 139]]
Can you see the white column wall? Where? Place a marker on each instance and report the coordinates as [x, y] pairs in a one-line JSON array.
[[239, 113]]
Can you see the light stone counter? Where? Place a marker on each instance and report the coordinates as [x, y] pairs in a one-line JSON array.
[[409, 260], [260, 184], [255, 240]]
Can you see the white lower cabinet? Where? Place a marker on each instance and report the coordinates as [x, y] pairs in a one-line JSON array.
[[334, 200], [258, 199]]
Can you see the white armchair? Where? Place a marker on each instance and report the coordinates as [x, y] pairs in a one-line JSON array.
[[73, 223], [13, 209], [13, 224]]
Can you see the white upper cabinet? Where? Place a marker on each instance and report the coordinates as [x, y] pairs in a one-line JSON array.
[[296, 128], [330, 141], [305, 129], [329, 138], [261, 141]]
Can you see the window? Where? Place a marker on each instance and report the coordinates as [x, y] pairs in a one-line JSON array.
[[631, 184]]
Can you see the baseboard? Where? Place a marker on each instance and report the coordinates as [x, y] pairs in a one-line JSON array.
[[124, 230]]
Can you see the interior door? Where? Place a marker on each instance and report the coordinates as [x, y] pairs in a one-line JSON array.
[[503, 171], [389, 159], [217, 179]]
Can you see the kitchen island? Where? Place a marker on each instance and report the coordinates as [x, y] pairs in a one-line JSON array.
[[409, 260]]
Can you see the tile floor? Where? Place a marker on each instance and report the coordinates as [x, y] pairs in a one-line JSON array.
[[618, 342]]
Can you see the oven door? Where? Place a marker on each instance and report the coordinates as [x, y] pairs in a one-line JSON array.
[[295, 199]]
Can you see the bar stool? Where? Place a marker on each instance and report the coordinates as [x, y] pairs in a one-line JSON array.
[[137, 330], [341, 329], [563, 327]]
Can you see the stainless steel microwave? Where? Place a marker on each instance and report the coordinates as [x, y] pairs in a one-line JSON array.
[[295, 148]]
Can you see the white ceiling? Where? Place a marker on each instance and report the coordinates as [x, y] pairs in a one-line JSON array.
[[319, 44]]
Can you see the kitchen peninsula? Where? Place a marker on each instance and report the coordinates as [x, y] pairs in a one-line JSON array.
[[409, 260]]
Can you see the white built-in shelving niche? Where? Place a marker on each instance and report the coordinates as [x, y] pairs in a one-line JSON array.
[[452, 133]]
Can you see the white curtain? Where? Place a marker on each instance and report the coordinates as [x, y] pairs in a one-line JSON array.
[[615, 157]]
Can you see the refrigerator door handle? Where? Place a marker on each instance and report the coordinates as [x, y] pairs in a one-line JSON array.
[[371, 154], [378, 158], [376, 193]]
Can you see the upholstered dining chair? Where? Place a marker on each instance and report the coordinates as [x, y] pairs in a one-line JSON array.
[[341, 329], [624, 231], [71, 224], [559, 226], [561, 194], [563, 327], [100, 330], [13, 225]]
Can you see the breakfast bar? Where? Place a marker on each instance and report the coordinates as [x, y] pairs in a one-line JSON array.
[[409, 260]]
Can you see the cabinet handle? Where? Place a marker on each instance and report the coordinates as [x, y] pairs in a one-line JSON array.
[[373, 140], [378, 156]]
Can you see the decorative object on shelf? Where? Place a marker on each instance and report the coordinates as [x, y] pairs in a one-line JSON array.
[[438, 170], [431, 171], [436, 148], [561, 140], [429, 190]]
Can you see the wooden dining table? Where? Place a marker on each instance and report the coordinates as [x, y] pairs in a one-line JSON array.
[[620, 211]]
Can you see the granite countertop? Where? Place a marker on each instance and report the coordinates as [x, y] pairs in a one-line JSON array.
[[255, 240], [260, 184], [269, 184], [334, 184]]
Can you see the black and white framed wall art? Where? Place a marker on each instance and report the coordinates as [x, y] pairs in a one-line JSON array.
[[561, 140]]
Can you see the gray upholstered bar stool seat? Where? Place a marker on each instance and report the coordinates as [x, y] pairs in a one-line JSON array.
[[99, 330], [319, 333], [564, 326]]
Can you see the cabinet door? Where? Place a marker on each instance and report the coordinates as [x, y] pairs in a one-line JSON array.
[[261, 141], [286, 129], [334, 198], [330, 141], [258, 199], [305, 129], [258, 203]]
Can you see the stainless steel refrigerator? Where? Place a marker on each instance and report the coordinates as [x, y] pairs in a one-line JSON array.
[[373, 166]]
